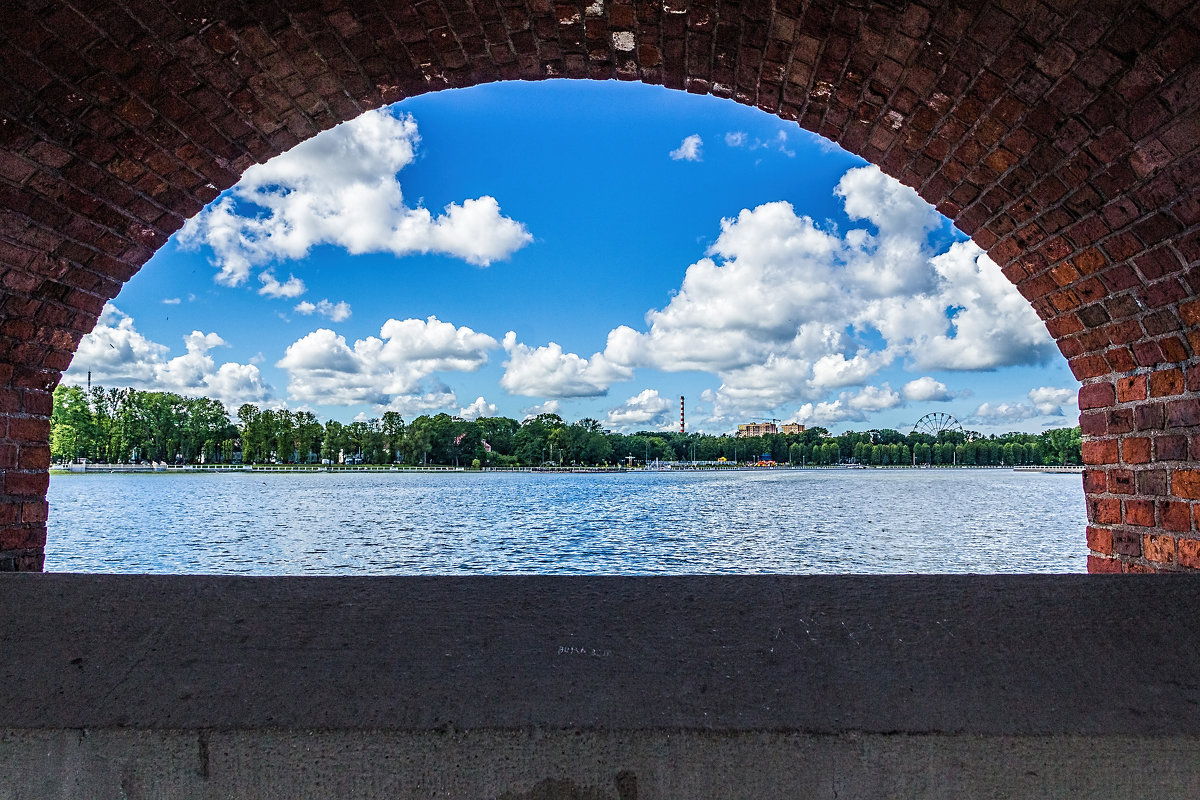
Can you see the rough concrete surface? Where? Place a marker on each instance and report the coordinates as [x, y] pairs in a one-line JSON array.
[[589, 765], [584, 687]]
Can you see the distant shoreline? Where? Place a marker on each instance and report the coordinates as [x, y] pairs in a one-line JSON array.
[[311, 469]]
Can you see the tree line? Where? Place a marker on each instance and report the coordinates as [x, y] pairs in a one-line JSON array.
[[128, 425]]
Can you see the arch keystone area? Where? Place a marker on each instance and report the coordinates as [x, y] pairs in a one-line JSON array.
[[1064, 138]]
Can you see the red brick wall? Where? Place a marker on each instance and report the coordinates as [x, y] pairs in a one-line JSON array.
[[1061, 136]]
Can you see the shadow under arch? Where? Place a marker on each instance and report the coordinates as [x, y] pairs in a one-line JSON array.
[[1064, 143]]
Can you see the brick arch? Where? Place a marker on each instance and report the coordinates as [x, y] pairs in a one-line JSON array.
[[1062, 137]]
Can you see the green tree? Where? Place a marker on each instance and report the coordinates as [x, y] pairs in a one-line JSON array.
[[72, 427], [531, 442], [310, 436], [334, 443], [391, 425], [1062, 446], [498, 433]]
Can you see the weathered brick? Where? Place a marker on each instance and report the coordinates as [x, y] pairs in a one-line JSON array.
[[1159, 548], [1088, 366], [1135, 449], [1175, 515], [1192, 378], [1131, 389], [26, 484], [35, 511], [1095, 481], [1121, 481], [1100, 451], [1186, 483], [20, 537], [1147, 354], [1097, 565], [1183, 413], [1100, 540], [1140, 513], [1119, 420], [1189, 313], [1097, 395], [1104, 511], [1120, 359], [1093, 423], [29, 429], [1127, 542], [1152, 482], [37, 403], [1187, 552], [1173, 348], [1170, 448], [1149, 416], [33, 457], [1167, 382]]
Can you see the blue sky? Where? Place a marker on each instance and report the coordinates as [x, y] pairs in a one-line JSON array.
[[594, 249]]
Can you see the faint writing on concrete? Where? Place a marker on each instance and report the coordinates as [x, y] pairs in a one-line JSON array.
[[589, 652]]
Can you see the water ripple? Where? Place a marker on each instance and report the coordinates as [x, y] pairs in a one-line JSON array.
[[794, 522]]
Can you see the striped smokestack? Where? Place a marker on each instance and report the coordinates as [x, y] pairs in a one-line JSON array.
[[681, 428]]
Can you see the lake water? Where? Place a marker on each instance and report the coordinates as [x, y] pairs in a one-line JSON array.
[[803, 521]]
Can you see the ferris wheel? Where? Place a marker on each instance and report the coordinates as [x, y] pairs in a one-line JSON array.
[[936, 422]]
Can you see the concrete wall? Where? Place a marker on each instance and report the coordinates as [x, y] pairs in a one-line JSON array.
[[746, 687]]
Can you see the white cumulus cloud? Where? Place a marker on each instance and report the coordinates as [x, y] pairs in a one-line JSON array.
[[118, 355], [740, 139], [689, 149], [925, 389], [784, 310], [834, 369], [548, 371], [827, 414], [1044, 401], [849, 406], [323, 368], [271, 287], [644, 411], [1050, 401], [994, 413], [478, 408], [548, 407], [874, 398], [431, 398], [340, 188], [335, 312]]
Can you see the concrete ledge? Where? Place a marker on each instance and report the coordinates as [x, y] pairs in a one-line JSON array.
[[846, 686], [588, 765]]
